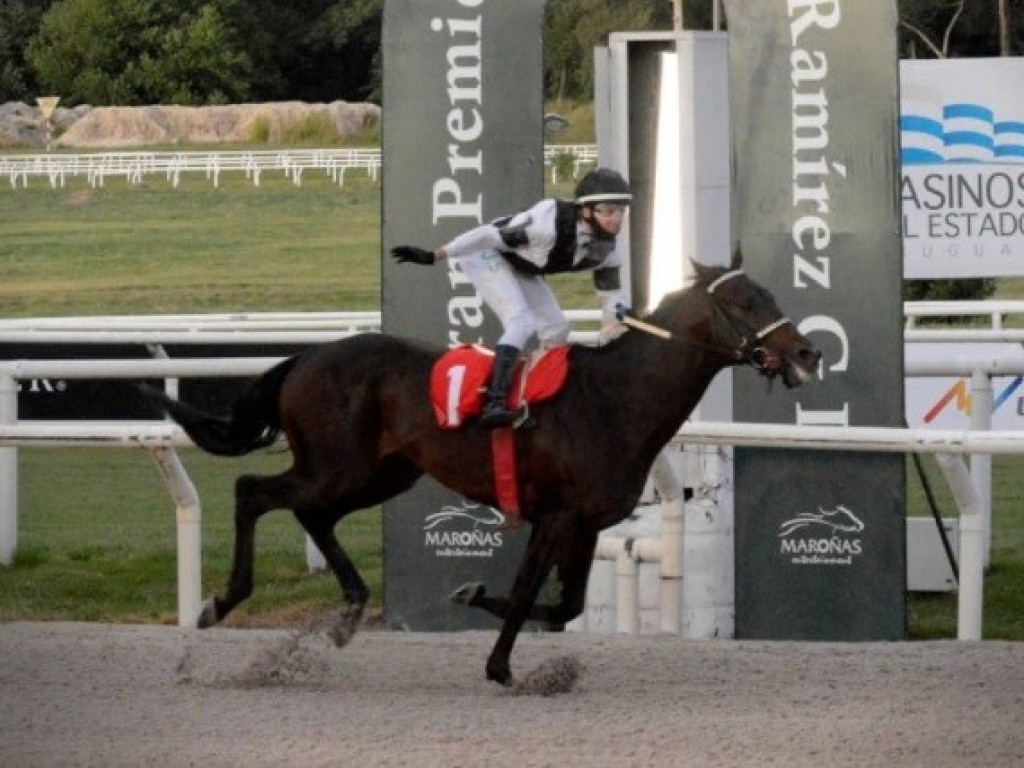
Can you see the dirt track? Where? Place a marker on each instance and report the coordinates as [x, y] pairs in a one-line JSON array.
[[87, 694]]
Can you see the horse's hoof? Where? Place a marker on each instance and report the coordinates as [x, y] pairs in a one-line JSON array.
[[467, 593], [502, 676], [208, 616], [342, 630]]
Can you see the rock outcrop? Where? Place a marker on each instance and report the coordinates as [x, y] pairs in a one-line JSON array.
[[132, 127]]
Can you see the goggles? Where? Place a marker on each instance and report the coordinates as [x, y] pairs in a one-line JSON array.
[[610, 209]]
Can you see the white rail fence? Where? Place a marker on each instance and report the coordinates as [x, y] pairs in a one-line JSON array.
[[161, 438], [97, 167]]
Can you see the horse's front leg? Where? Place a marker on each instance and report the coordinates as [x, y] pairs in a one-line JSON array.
[[573, 558], [529, 579]]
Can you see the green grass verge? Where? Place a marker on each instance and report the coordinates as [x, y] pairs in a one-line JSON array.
[[151, 248], [97, 541]]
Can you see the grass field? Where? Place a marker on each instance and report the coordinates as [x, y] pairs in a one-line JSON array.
[[151, 248], [97, 536]]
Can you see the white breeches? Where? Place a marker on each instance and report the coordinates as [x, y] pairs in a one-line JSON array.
[[524, 303]]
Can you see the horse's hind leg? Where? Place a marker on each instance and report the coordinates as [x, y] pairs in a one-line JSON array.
[[254, 496], [320, 527]]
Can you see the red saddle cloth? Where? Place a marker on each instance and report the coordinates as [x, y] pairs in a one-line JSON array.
[[460, 377], [457, 385]]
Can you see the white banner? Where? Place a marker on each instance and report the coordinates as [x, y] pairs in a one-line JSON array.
[[962, 137]]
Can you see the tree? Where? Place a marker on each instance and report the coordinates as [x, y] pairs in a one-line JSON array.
[[130, 52], [318, 50], [19, 20], [575, 27], [956, 28]]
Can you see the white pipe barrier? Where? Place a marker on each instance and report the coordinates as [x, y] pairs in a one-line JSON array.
[[666, 550]]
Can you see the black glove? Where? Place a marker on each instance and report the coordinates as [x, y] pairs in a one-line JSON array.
[[404, 253], [622, 312]]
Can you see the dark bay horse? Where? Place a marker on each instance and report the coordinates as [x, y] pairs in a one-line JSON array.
[[360, 427]]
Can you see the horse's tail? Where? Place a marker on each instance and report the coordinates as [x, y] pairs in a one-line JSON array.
[[254, 422]]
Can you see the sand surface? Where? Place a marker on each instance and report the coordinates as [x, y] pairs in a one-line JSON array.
[[113, 695]]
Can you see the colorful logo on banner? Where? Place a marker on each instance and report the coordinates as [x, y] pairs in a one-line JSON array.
[[967, 133], [958, 398], [962, 150]]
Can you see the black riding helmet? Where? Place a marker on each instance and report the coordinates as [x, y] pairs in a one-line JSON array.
[[602, 185]]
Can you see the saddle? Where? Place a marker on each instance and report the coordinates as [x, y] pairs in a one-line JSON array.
[[457, 384], [459, 379]]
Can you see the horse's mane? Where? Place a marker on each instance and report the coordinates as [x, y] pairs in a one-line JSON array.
[[703, 277]]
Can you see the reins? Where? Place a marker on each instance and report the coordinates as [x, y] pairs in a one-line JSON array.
[[743, 353]]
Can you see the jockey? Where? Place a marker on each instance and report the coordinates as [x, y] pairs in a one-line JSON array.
[[506, 261]]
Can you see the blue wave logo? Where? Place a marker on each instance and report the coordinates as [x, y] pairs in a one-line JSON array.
[[964, 133]]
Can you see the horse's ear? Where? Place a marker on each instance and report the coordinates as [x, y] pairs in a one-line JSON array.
[[737, 258], [703, 273]]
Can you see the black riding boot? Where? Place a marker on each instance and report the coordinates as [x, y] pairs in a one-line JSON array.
[[496, 412]]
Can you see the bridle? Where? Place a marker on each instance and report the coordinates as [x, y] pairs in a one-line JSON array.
[[748, 351]]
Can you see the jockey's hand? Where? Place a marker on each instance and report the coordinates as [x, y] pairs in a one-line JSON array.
[[610, 333], [410, 253], [622, 312]]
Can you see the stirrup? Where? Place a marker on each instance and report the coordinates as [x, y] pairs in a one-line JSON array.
[[523, 418], [513, 419], [503, 418]]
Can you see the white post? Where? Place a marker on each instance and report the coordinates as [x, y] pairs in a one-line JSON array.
[[981, 463], [315, 560], [626, 612], [971, 595], [8, 473], [670, 491], [190, 550]]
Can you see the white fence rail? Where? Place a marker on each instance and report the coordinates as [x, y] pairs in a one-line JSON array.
[[96, 167], [160, 438], [994, 311]]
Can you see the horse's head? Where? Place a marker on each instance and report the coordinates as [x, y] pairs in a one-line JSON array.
[[746, 320]]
